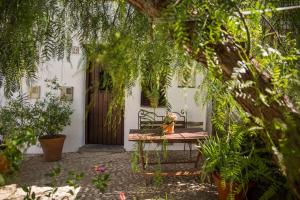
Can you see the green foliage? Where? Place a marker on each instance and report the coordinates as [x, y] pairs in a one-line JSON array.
[[74, 178], [101, 181], [36, 31], [21, 123], [53, 174], [156, 69], [248, 61], [170, 118], [239, 159], [117, 53], [135, 157], [16, 130], [16, 121], [158, 179], [51, 114], [2, 180], [122, 70], [30, 195]]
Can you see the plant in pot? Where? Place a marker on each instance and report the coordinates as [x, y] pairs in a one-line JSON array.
[[235, 163], [169, 122], [52, 115]]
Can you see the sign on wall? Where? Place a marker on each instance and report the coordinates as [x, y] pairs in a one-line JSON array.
[[66, 93], [34, 92]]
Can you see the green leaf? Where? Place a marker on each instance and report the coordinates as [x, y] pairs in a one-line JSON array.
[[25, 189], [263, 99]]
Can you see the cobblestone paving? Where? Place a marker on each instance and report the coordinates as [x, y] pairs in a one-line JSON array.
[[135, 186]]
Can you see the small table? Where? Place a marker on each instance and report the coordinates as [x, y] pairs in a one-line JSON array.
[[181, 135]]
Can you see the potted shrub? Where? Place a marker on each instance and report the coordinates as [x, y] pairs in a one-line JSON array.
[[169, 122], [52, 114], [234, 165]]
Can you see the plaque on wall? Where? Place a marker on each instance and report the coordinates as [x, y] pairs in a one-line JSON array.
[[34, 92], [66, 93]]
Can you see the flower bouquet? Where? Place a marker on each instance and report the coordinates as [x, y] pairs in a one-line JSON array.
[[169, 122]]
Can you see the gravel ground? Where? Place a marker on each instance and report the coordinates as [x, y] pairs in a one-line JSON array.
[[135, 186]]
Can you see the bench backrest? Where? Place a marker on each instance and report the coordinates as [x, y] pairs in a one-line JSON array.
[[150, 120]]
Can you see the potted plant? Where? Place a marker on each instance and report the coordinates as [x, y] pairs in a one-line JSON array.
[[52, 115], [169, 122], [235, 163], [225, 164]]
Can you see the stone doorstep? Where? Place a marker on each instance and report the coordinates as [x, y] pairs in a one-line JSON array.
[[101, 148]]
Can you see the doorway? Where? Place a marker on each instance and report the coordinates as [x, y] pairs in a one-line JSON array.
[[98, 98]]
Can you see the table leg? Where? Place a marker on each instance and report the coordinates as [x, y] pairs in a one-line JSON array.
[[142, 157], [199, 157]]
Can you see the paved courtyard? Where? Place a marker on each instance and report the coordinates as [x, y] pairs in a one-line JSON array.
[[135, 186]]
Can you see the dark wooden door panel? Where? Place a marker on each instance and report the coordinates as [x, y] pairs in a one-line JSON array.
[[98, 131]]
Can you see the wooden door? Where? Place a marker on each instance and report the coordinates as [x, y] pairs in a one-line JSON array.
[[98, 131]]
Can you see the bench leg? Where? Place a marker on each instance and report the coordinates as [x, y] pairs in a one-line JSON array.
[[142, 157]]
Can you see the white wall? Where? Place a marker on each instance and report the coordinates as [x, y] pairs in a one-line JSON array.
[[68, 74], [179, 98]]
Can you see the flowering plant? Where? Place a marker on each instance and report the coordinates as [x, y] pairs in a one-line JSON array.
[[101, 179], [170, 118]]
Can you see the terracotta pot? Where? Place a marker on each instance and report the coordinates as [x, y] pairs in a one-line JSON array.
[[4, 164], [52, 147], [224, 191], [168, 128]]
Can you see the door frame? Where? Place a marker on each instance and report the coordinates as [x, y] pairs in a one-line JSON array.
[[87, 93]]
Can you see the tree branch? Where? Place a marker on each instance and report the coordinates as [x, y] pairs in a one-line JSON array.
[[275, 32], [247, 31]]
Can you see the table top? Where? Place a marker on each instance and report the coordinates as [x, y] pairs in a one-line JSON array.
[[181, 135]]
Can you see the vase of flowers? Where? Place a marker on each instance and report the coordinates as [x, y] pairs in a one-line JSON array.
[[169, 122]]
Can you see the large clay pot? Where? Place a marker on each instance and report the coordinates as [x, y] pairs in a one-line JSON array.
[[224, 191], [52, 147], [168, 128], [4, 164]]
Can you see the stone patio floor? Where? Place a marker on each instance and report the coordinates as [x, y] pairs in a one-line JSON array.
[[135, 186]]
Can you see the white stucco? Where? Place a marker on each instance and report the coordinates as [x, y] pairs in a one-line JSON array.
[[68, 74]]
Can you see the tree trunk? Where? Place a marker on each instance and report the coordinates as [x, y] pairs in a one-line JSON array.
[[229, 55]]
